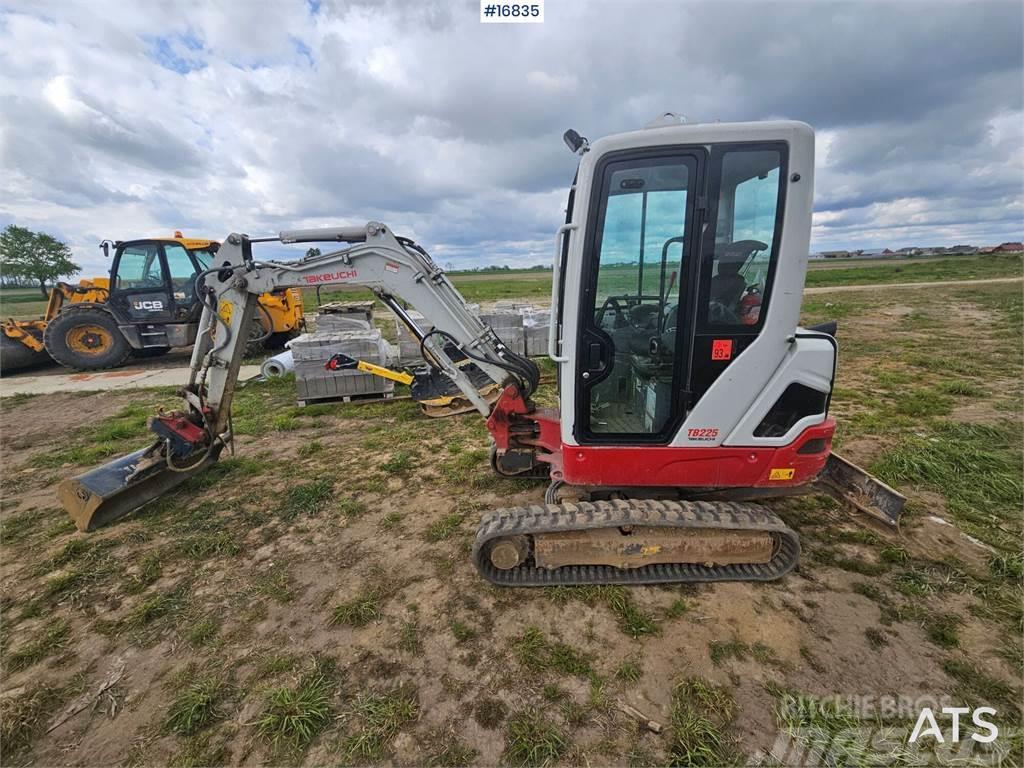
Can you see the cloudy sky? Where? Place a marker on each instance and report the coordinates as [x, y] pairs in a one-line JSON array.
[[131, 118]]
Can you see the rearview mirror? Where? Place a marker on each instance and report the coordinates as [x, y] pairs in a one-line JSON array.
[[575, 142], [105, 247]]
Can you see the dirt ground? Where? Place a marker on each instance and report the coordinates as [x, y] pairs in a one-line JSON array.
[[312, 601]]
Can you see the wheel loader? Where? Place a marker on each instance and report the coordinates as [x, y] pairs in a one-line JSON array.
[[146, 306], [689, 393]]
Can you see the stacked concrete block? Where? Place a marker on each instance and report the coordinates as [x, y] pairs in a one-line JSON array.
[[358, 309], [511, 305], [535, 331], [337, 316], [335, 323], [522, 328], [314, 382], [508, 325], [409, 345]]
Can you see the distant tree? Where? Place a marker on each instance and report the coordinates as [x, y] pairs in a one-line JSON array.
[[311, 252], [34, 256]]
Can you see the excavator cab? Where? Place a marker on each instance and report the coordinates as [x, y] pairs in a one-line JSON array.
[[682, 291]]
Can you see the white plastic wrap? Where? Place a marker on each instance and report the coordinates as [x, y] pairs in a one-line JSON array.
[[278, 365]]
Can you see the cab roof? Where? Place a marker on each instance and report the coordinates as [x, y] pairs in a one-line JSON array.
[[189, 243]]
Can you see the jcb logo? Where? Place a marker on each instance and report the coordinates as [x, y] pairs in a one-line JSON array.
[[149, 306]]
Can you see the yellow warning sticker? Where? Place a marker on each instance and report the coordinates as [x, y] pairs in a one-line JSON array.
[[782, 473], [651, 549], [226, 310]]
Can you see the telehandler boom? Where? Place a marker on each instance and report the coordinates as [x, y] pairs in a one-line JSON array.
[[686, 385]]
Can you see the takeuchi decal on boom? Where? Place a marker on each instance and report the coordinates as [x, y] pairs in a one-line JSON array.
[[332, 277]]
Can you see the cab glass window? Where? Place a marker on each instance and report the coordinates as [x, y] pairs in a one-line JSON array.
[[204, 256], [183, 272], [744, 245], [139, 267], [636, 298]]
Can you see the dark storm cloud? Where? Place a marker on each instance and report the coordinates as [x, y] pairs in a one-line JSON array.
[[314, 113]]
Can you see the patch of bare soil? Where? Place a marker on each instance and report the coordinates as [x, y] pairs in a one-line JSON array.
[[978, 412], [44, 420], [273, 575], [932, 534]]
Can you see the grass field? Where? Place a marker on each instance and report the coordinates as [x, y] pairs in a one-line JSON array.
[[311, 601], [25, 304], [484, 287]]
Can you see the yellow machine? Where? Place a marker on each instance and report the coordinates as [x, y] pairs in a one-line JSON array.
[[145, 307]]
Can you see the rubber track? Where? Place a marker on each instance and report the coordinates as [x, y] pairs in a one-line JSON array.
[[607, 514]]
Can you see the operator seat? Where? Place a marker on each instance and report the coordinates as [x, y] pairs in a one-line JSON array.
[[728, 286]]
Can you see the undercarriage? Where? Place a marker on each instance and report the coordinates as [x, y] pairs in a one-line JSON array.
[[633, 541]]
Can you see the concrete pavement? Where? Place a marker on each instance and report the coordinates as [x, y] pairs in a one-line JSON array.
[[117, 379]]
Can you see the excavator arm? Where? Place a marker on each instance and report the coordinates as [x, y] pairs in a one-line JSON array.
[[189, 440]]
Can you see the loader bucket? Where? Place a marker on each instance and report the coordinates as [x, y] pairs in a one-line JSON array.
[[850, 484], [121, 486]]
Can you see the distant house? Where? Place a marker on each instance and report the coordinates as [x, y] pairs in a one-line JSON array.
[[836, 254], [887, 252], [961, 249], [1010, 247], [911, 251]]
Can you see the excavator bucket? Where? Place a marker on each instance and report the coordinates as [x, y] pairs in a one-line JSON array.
[[849, 484], [102, 495]]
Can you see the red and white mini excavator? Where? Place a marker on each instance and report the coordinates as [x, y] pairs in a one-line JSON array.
[[687, 387]]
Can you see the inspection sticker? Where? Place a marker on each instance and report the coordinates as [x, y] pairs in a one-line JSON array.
[[721, 349], [390, 266], [782, 473]]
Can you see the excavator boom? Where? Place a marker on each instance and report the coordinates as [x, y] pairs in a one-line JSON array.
[[190, 440]]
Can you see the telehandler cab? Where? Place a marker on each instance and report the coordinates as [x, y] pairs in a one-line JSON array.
[[686, 385], [145, 306]]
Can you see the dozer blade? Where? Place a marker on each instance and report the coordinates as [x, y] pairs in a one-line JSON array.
[[111, 491], [848, 483]]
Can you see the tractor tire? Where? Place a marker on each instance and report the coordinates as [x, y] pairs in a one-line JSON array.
[[147, 352], [15, 356], [278, 340], [86, 339]]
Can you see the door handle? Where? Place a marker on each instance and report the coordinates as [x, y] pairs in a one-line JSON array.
[[595, 356], [556, 297]]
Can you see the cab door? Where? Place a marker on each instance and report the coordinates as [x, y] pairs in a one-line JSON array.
[[139, 289], [183, 268], [637, 293]]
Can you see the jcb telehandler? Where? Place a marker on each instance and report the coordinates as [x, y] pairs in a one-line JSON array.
[[145, 307], [687, 386]]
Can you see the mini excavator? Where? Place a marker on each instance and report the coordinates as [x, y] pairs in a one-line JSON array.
[[688, 391]]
